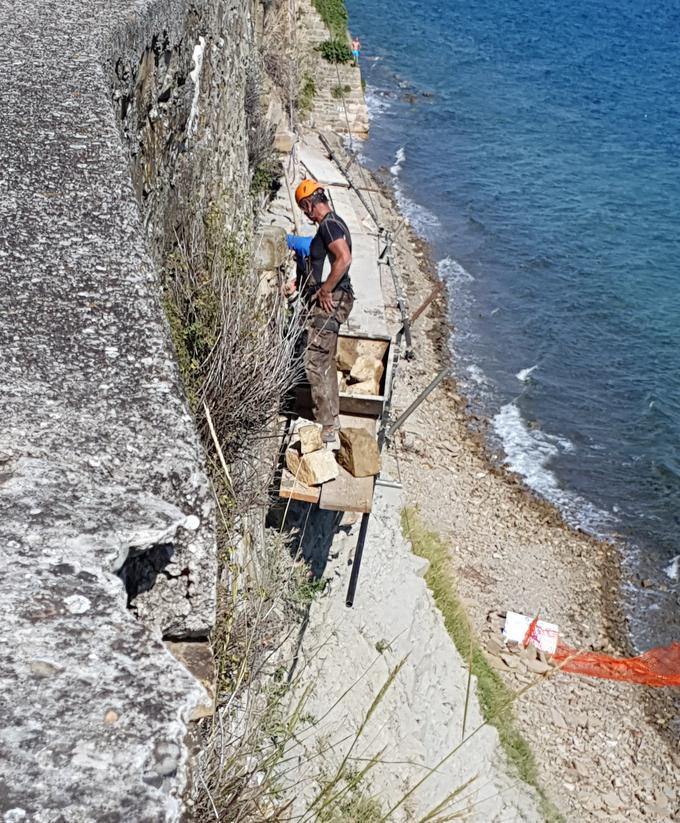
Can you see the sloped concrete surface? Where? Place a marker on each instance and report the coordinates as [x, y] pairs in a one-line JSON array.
[[99, 461], [344, 660]]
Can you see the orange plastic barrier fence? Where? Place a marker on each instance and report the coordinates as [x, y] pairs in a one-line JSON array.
[[657, 667]]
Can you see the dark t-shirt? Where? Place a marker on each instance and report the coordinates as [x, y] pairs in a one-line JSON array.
[[331, 228]]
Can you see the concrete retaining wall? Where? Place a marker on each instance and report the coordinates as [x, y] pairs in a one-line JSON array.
[[113, 116]]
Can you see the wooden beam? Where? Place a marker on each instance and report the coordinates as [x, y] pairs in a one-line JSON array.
[[292, 489]]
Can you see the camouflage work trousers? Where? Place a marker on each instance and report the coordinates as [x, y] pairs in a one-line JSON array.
[[320, 353]]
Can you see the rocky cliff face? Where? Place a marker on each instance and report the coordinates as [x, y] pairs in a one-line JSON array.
[[103, 495]]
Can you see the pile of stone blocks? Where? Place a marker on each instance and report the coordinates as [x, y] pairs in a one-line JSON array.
[[307, 459], [311, 463], [360, 365]]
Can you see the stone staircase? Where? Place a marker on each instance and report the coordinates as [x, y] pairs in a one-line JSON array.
[[346, 113]]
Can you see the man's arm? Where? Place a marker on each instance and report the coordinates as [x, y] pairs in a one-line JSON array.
[[343, 259]]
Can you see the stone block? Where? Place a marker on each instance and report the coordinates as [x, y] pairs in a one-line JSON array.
[[198, 659], [310, 439], [312, 469], [359, 452], [342, 382], [271, 248], [347, 353], [351, 348], [365, 387], [284, 141], [367, 368]]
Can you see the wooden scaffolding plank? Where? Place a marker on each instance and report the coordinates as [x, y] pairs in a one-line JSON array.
[[347, 493], [293, 489]]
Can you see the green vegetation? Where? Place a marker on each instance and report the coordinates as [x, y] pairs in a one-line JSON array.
[[335, 51], [338, 92], [495, 698], [334, 15], [266, 177], [306, 94]]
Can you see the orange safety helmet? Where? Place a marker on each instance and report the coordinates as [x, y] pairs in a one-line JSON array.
[[306, 189]]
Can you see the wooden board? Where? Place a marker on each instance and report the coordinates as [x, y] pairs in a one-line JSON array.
[[293, 489], [347, 493]]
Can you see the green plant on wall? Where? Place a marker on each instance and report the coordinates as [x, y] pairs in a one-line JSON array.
[[334, 15], [338, 92], [306, 94], [335, 51]]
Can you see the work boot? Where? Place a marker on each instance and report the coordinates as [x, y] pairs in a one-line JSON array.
[[330, 438]]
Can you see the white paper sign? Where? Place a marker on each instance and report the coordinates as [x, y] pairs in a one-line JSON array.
[[544, 635]]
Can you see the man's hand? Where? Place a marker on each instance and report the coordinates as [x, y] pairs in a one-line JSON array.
[[325, 299]]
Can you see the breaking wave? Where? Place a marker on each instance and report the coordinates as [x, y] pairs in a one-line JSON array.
[[524, 374], [423, 221], [530, 453]]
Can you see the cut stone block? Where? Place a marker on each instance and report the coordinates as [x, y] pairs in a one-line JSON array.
[[367, 368], [310, 439], [365, 387], [351, 348], [347, 353], [358, 452], [284, 141], [198, 658], [312, 469]]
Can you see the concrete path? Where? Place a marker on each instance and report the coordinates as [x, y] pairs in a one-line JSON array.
[[368, 314]]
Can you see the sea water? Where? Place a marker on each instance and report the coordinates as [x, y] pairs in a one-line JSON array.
[[537, 147]]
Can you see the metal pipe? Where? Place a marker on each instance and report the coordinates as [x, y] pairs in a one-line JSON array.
[[361, 197], [356, 563], [425, 393], [436, 291]]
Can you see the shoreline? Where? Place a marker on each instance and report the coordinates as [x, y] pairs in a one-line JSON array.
[[595, 619]]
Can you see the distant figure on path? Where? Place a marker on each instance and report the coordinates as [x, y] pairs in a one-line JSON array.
[[328, 293], [356, 49]]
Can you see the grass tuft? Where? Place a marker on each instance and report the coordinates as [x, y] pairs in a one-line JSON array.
[[494, 695]]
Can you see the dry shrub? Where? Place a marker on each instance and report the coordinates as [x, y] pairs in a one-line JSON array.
[[278, 49], [236, 773], [235, 339]]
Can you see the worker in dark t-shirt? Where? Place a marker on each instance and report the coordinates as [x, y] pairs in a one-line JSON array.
[[328, 293]]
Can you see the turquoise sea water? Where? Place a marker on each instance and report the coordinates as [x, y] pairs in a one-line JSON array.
[[537, 146]]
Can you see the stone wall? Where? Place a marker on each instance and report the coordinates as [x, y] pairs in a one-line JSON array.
[[114, 117], [344, 114]]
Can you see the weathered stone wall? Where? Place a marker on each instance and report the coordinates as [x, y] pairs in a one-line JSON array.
[[100, 464], [341, 114], [180, 103]]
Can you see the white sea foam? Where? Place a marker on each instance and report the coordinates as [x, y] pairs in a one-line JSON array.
[[452, 272], [673, 567], [477, 375], [524, 374], [423, 221], [529, 453], [376, 101], [399, 158]]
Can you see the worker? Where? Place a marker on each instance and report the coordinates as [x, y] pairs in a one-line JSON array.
[[328, 294]]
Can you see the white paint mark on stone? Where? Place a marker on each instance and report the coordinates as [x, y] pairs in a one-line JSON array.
[[77, 604], [195, 75], [14, 816]]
